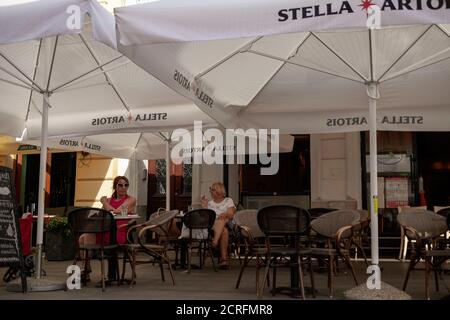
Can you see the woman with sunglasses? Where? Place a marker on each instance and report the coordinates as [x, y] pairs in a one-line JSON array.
[[120, 200], [225, 210]]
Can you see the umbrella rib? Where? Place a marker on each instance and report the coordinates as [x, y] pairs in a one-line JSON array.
[[104, 73], [84, 74], [301, 65], [443, 30], [421, 67], [21, 72], [52, 64], [34, 77], [16, 84], [138, 140], [243, 48], [339, 57], [96, 74], [404, 53], [284, 61], [26, 85]]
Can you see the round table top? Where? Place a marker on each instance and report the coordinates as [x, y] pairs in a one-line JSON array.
[[127, 217]]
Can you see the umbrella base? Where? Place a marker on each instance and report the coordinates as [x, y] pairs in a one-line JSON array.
[[36, 285], [386, 292]]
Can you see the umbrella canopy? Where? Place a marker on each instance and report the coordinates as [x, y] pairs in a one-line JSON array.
[[153, 145], [59, 75], [309, 67], [91, 87], [303, 68]]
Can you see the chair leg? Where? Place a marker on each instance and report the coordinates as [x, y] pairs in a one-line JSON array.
[[266, 273], [241, 272], [161, 269], [410, 267], [167, 260], [212, 258], [124, 264], [102, 271], [331, 275], [350, 265], [402, 243], [258, 266], [427, 275], [301, 280], [274, 276], [133, 267], [189, 256], [405, 248], [313, 287]]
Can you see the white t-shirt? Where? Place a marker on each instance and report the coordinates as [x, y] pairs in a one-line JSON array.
[[221, 206]]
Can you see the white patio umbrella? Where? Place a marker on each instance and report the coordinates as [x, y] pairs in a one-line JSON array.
[[303, 67], [58, 77], [178, 145]]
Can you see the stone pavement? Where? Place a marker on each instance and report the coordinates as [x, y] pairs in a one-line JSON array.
[[206, 284]]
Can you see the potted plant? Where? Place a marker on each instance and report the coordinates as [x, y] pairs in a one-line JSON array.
[[59, 240]]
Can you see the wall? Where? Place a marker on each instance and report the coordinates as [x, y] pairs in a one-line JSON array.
[[6, 161], [94, 179], [95, 175], [336, 170]]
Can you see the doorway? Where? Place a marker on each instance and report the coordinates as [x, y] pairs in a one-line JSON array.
[[433, 153]]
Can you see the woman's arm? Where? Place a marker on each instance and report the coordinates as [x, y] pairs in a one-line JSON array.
[[105, 203], [131, 204], [228, 215]]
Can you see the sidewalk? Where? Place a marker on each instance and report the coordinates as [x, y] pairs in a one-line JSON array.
[[206, 284]]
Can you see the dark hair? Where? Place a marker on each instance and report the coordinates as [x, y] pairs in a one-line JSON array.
[[116, 181]]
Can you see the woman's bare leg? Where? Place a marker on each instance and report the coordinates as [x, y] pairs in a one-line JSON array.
[[224, 245], [86, 239], [219, 226]]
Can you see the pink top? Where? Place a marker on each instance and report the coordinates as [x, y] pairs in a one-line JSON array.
[[121, 232], [116, 203]]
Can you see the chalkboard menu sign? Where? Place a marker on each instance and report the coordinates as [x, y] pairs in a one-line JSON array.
[[10, 242]]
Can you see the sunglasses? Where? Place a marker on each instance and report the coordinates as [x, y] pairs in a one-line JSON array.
[[126, 185], [212, 190]]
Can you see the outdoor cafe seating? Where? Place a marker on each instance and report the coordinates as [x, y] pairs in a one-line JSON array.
[[425, 229], [252, 238], [140, 240], [287, 224], [335, 231], [197, 231], [100, 223]]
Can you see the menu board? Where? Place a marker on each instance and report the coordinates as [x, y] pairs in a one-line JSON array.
[[10, 242], [397, 192]]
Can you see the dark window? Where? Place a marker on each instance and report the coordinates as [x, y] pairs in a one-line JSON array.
[[293, 177]]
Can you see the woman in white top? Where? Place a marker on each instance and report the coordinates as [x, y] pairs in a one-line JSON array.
[[225, 210]]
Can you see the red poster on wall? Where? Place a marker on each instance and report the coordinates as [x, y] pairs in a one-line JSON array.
[[397, 192]]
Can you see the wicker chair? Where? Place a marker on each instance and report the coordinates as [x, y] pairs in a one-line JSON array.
[[335, 228], [403, 238], [159, 224], [425, 229], [101, 223], [253, 239], [199, 223], [290, 223]]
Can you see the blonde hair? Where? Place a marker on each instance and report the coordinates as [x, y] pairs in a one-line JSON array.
[[220, 188]]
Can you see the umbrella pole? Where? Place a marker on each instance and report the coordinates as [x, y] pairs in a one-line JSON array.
[[168, 174], [38, 284], [372, 91], [41, 192]]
